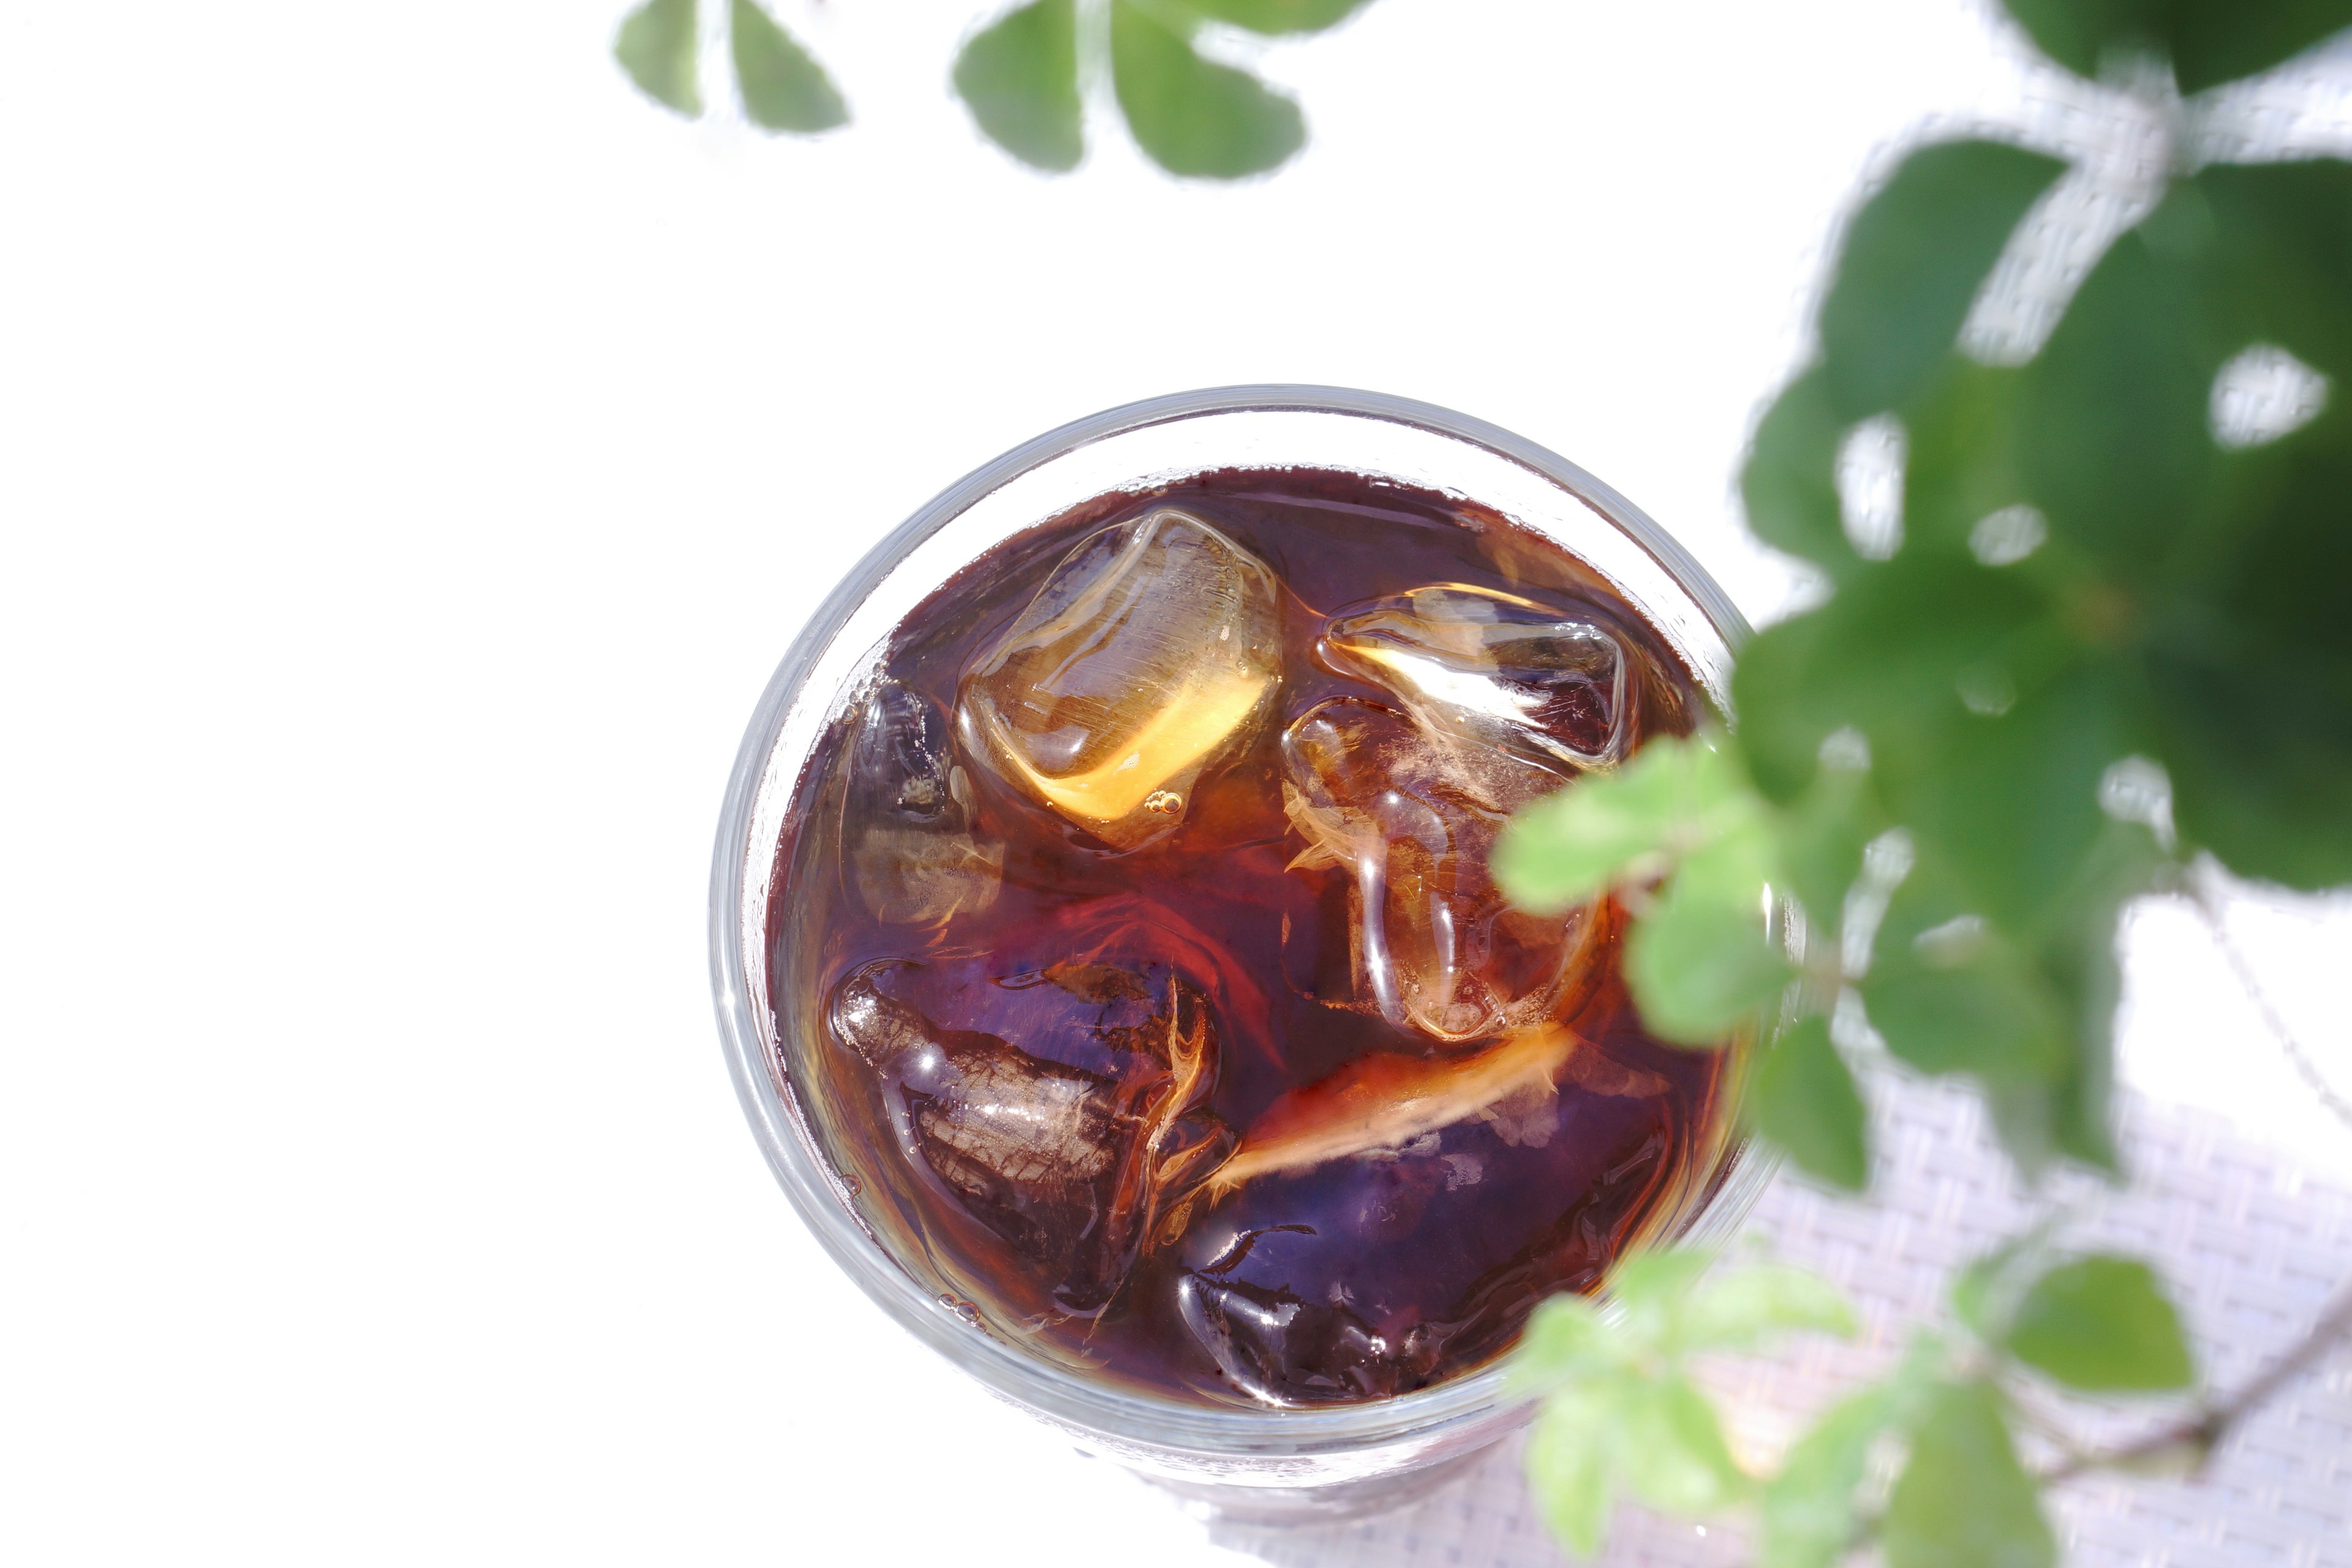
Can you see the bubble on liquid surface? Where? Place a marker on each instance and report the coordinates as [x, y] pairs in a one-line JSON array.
[[1491, 669], [1438, 949], [1068, 1163], [1149, 656], [906, 815]]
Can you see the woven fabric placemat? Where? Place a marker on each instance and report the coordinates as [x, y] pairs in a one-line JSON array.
[[2252, 1247]]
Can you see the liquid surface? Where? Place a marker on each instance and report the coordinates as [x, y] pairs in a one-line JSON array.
[[1161, 1006]]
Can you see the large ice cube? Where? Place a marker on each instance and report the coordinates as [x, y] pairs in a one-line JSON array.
[[906, 815], [1148, 656], [1493, 670], [1069, 1165], [1414, 815]]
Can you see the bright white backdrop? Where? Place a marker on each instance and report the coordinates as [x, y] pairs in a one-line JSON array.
[[415, 451]]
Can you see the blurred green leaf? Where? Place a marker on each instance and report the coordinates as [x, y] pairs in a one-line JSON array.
[[1805, 1102], [1671, 1455], [1278, 15], [2102, 1325], [2214, 41], [1964, 1502], [1790, 483], [2011, 799], [1743, 1309], [1569, 1463], [1951, 995], [1961, 461], [1886, 655], [1019, 77], [1629, 825], [784, 88], [1699, 961], [1191, 115], [1651, 1289], [1822, 838], [1806, 1517], [656, 46], [1912, 263], [2114, 438], [2280, 238], [1566, 1339]]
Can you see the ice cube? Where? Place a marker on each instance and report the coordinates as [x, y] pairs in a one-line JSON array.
[[1069, 1165], [1492, 669], [1414, 815], [906, 815], [1149, 656]]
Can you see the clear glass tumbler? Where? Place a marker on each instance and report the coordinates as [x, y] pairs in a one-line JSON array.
[[1261, 1466]]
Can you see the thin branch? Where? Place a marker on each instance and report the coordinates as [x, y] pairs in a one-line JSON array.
[[2307, 1070], [2195, 1438]]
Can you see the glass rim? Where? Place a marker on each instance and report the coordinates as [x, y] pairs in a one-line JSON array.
[[1129, 1416]]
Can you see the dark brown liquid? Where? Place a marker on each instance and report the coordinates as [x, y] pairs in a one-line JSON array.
[[1152, 1010]]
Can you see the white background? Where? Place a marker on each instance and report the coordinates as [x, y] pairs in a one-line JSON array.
[[417, 449]]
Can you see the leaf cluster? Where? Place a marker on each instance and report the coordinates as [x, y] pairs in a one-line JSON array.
[[1925, 1457], [1023, 77]]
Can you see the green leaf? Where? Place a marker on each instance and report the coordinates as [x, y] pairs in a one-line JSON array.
[[2009, 800], [1568, 1460], [1651, 1289], [2114, 439], [1886, 655], [1964, 1502], [1698, 960], [1952, 995], [1278, 15], [782, 87], [1019, 77], [1806, 1516], [1629, 825], [2280, 238], [2102, 1325], [1566, 1339], [657, 46], [1789, 484], [2214, 41], [1912, 263], [1805, 1101], [1744, 1309], [1822, 837], [2076, 33], [1191, 115], [1673, 1456]]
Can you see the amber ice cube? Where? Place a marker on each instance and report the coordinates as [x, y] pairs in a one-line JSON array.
[[1150, 655]]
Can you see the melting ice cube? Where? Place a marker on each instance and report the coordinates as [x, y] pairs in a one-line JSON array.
[[1436, 946], [1148, 656], [907, 816], [1068, 1166], [1492, 669]]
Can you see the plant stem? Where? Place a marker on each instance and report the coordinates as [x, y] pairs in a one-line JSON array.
[[2196, 1438], [2304, 1066]]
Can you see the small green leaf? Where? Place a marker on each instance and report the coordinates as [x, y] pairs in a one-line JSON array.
[[784, 88], [1568, 1460], [1789, 482], [1964, 1502], [1652, 1289], [1673, 1455], [2076, 33], [1191, 115], [1698, 960], [1019, 77], [1629, 825], [1807, 1516], [1278, 15], [2102, 1325], [657, 46], [2282, 248], [1805, 1101], [1912, 264], [1746, 1308], [1951, 993], [1566, 1339]]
